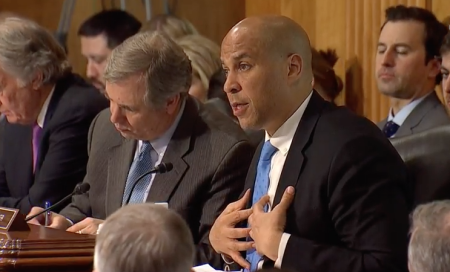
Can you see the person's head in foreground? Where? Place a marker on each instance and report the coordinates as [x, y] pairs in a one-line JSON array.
[[31, 61], [267, 61], [429, 246], [99, 35], [445, 69], [144, 237], [147, 79]]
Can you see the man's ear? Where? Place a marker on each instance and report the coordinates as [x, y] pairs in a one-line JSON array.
[[36, 83], [172, 103], [294, 68], [435, 70]]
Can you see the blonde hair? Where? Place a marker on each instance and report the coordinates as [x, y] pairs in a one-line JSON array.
[[27, 49], [204, 55], [173, 26]]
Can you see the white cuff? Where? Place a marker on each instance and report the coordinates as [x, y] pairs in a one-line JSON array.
[[70, 221], [281, 248]]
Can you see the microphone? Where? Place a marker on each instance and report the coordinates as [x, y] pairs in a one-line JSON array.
[[160, 169], [81, 188]]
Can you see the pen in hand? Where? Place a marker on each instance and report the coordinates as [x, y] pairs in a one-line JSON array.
[[47, 214]]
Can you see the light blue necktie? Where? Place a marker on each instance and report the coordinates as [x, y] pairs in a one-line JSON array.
[[141, 164], [260, 190]]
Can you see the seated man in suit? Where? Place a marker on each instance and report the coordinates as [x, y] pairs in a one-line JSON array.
[[99, 35], [153, 120], [47, 113], [407, 70], [326, 191], [158, 240]]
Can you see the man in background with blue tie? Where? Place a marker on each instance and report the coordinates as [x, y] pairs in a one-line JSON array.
[[326, 191], [46, 113], [407, 70], [153, 120]]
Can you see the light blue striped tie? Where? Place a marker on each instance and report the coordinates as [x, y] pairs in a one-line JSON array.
[[141, 164], [260, 190]]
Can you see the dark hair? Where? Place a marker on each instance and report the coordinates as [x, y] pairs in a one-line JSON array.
[[324, 74], [434, 30], [445, 47], [117, 25]]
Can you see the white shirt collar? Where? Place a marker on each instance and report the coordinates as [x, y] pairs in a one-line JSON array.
[[41, 117], [282, 138], [401, 116]]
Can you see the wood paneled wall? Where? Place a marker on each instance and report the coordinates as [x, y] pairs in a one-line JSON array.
[[351, 27], [213, 18]]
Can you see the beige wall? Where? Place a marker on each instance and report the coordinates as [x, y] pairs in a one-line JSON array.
[[351, 27], [213, 25]]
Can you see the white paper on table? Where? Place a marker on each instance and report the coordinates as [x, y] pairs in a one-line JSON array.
[[208, 268]]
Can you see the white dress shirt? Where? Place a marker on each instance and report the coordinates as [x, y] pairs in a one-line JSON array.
[[282, 140], [41, 117], [159, 146]]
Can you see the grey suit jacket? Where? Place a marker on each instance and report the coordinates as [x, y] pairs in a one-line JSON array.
[[428, 114], [427, 156], [210, 156]]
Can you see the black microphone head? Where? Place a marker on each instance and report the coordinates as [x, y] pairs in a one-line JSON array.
[[164, 167], [82, 188]]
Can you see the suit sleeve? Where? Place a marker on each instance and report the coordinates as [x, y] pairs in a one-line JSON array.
[[4, 191], [226, 186], [368, 203], [64, 164], [80, 207]]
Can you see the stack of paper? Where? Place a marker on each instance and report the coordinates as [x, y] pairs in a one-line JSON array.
[[207, 268]]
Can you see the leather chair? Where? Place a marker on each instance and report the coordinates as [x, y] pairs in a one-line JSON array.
[[427, 155]]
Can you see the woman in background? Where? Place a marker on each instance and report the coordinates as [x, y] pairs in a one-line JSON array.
[[171, 25], [205, 60]]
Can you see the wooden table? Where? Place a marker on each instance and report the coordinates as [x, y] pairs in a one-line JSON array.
[[43, 249]]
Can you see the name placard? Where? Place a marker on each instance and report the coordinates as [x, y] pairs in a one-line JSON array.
[[12, 220]]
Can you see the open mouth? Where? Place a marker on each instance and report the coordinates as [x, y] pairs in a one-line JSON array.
[[239, 108]]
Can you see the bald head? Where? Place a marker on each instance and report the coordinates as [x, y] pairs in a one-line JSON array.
[[275, 35], [267, 60]]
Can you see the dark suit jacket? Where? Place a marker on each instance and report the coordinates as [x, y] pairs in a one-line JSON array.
[[62, 156], [350, 210], [210, 156], [427, 156], [427, 114]]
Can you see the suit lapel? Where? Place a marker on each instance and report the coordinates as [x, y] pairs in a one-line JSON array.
[[19, 156], [416, 116], [60, 87], [251, 174], [120, 158], [164, 184], [293, 165]]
